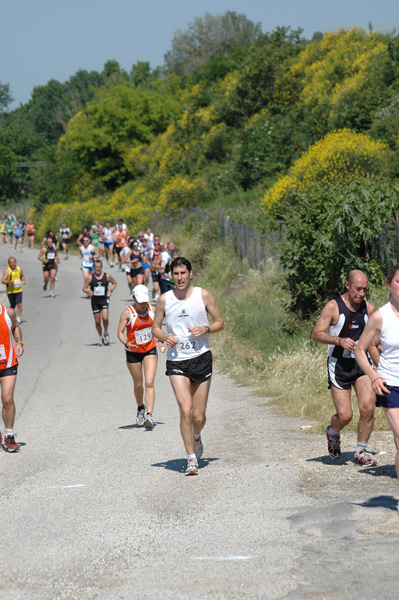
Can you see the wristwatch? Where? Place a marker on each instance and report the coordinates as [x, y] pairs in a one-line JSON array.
[[207, 329]]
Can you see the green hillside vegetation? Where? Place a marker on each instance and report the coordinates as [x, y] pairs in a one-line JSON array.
[[267, 127]]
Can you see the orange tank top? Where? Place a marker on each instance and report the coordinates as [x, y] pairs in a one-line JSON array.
[[7, 352], [121, 243], [139, 329]]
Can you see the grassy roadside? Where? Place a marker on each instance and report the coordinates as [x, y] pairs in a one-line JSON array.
[[264, 345]]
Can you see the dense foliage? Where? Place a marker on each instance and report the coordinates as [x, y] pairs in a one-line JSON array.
[[269, 123]]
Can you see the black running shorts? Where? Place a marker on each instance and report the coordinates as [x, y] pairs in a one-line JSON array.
[[197, 369], [343, 373]]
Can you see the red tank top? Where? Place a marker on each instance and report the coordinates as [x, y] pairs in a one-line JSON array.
[[7, 352]]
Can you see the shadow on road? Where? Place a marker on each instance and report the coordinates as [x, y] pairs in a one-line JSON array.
[[346, 457], [135, 426], [180, 464], [379, 502], [381, 471]]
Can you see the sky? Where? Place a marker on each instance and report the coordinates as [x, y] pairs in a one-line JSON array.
[[52, 39]]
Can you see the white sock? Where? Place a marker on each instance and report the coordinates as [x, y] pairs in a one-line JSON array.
[[361, 446], [9, 432], [191, 457]]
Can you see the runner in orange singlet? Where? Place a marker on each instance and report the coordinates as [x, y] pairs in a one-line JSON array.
[[9, 328], [141, 351]]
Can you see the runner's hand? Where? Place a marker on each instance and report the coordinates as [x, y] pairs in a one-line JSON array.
[[171, 341], [347, 343], [196, 331]]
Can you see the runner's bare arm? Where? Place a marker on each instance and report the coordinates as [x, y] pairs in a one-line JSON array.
[[214, 312], [123, 321], [373, 327], [16, 332], [5, 278], [42, 251], [375, 349], [113, 282], [86, 288], [329, 316]]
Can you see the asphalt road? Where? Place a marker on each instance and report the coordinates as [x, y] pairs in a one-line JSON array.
[[94, 507]]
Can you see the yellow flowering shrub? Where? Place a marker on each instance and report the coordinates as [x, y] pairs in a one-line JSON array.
[[336, 70], [180, 191], [339, 156]]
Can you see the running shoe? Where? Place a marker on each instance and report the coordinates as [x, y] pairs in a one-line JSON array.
[[11, 444], [333, 444], [100, 341], [192, 467], [18, 320], [149, 422], [140, 417], [51, 294], [364, 459], [107, 339], [45, 287], [198, 448]]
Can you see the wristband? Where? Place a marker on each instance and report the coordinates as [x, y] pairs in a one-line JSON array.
[[20, 342]]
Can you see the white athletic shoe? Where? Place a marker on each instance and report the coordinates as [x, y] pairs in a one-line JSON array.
[[198, 448], [140, 417], [149, 422], [18, 320], [192, 467]]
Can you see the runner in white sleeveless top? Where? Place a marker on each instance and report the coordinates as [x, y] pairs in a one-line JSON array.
[[382, 331], [189, 359]]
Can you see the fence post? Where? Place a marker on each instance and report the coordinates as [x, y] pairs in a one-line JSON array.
[[256, 253]]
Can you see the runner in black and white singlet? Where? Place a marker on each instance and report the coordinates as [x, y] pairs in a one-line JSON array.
[[340, 325], [189, 359], [49, 258], [96, 286]]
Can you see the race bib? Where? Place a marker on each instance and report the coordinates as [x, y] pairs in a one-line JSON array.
[[99, 290], [143, 336], [17, 283], [50, 255], [2, 352], [188, 345]]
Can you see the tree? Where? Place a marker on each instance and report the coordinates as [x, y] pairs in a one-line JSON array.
[[5, 97], [208, 37], [331, 230]]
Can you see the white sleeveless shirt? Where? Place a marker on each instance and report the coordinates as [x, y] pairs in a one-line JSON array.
[[388, 367], [181, 314]]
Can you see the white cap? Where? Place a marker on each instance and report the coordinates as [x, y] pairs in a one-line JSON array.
[[141, 293]]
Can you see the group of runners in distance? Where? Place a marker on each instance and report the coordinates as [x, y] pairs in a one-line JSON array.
[[356, 333], [185, 309]]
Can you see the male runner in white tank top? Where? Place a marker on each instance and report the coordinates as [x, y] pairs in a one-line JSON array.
[[189, 359]]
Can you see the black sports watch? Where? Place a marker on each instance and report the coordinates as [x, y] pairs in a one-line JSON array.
[[207, 329]]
